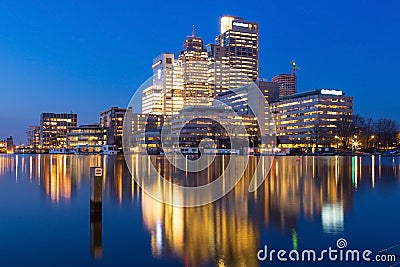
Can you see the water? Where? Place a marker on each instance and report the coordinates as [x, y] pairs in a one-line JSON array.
[[305, 203]]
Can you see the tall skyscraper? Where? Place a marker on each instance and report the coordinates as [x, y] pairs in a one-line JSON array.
[[54, 128], [162, 81], [287, 84], [165, 95], [194, 61], [239, 41]]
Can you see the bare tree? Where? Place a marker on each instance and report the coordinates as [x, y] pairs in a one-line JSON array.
[[386, 131], [345, 130]]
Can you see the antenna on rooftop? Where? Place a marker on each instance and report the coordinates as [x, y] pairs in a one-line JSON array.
[[193, 31]]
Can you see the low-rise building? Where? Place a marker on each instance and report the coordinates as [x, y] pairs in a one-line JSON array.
[[308, 119], [146, 133], [89, 137], [3, 146]]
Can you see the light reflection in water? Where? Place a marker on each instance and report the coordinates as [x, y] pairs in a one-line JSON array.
[[373, 170], [228, 231]]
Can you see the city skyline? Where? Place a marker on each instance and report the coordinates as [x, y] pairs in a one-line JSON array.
[[54, 83]]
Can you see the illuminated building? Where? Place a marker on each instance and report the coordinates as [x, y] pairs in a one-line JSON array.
[[191, 129], [112, 121], [152, 100], [33, 134], [3, 146], [178, 83], [246, 102], [54, 128], [146, 132], [218, 68], [304, 119], [158, 98], [90, 136], [237, 47], [287, 84], [10, 145], [194, 61]]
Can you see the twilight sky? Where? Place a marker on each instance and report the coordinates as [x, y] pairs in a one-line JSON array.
[[86, 56]]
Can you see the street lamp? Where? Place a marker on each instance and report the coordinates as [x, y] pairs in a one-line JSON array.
[[372, 138]]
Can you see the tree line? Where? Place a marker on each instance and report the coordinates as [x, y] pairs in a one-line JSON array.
[[364, 132]]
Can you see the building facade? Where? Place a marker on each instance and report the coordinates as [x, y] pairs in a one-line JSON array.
[[54, 128], [146, 133], [239, 41], [3, 146], [112, 121], [90, 137], [33, 134], [309, 119], [287, 84], [194, 61], [269, 89]]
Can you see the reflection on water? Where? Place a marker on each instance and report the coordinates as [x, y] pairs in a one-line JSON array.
[[317, 190]]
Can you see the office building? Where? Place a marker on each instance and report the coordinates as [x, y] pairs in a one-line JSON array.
[[54, 128], [309, 119], [158, 98], [165, 93], [287, 84], [33, 134], [247, 102], [152, 100], [146, 133], [193, 129], [88, 137], [194, 62], [112, 121], [218, 69], [269, 89], [238, 42]]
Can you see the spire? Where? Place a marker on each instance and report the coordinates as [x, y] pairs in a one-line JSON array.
[[193, 31]]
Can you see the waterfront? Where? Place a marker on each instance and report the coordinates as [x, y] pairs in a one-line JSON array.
[[306, 202]]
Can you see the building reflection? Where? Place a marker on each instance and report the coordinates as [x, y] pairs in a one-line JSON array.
[[226, 232], [312, 187]]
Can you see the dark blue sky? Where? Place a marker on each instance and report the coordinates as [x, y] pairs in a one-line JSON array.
[[86, 56]]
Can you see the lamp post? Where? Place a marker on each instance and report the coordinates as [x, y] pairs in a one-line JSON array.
[[372, 137]]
